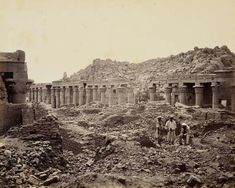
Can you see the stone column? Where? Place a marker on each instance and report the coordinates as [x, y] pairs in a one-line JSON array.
[[62, 96], [95, 93], [130, 96], [33, 94], [102, 95], [44, 94], [88, 95], [111, 96], [67, 95], [40, 94], [81, 96], [215, 95], [168, 94], [182, 96], [198, 95], [152, 93], [36, 98], [233, 97], [121, 95], [30, 94], [58, 97], [48, 93], [53, 99], [173, 93], [75, 95]]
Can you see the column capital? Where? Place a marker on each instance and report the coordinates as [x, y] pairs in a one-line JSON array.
[[214, 84], [102, 89]]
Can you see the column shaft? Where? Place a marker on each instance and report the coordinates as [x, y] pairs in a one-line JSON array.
[[81, 96], [36, 99], [121, 95], [168, 94], [95, 93], [198, 95], [48, 93], [152, 93], [215, 96], [130, 96], [182, 96], [102, 95], [75, 95], [53, 98], [233, 98], [88, 95], [58, 97]]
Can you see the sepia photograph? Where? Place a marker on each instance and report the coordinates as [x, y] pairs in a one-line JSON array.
[[117, 93]]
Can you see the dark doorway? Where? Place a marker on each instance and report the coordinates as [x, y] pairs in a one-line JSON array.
[[207, 94]]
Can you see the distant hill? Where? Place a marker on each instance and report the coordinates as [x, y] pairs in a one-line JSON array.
[[199, 60]]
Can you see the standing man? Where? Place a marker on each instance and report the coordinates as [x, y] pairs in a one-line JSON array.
[[184, 134], [159, 129], [170, 127]]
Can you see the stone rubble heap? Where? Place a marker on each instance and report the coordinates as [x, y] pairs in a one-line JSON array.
[[199, 60], [37, 159], [110, 142]]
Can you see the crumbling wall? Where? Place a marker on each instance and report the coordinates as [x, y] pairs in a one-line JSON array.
[[33, 112], [17, 114], [10, 115]]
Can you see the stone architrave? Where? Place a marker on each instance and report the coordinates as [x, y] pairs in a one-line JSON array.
[[198, 95]]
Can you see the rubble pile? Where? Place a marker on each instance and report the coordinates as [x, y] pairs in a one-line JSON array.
[[106, 144], [32, 154], [199, 60], [115, 147]]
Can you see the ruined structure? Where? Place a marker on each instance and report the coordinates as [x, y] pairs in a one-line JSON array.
[[13, 88], [203, 90], [60, 93]]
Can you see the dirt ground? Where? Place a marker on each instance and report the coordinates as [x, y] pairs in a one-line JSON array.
[[115, 147]]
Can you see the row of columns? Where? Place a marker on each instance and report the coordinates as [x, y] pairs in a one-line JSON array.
[[172, 91], [75, 95]]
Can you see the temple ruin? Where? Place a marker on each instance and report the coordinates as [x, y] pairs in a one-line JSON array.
[[202, 90], [13, 88]]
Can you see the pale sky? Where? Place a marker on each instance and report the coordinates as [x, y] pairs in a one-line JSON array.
[[66, 35]]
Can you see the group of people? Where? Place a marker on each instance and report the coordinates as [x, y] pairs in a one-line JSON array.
[[169, 129]]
